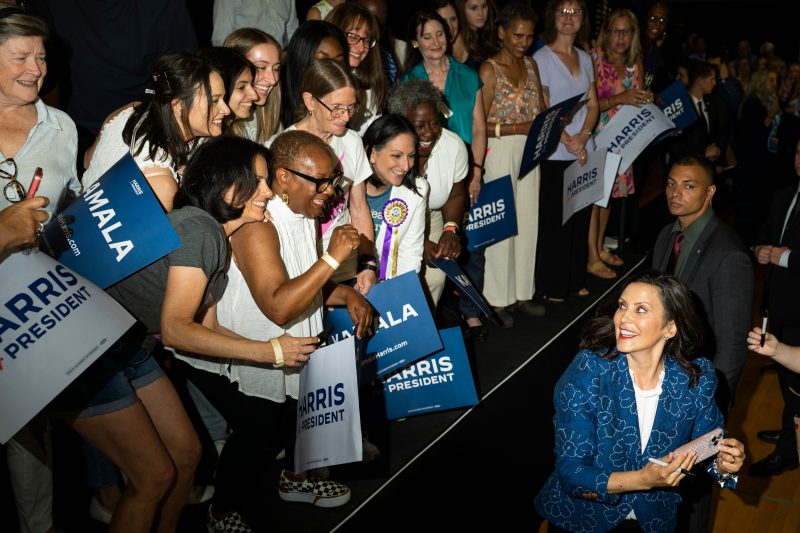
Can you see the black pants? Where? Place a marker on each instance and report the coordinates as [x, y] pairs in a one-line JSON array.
[[260, 429], [562, 250]]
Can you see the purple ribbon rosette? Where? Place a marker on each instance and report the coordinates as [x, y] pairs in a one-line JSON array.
[[395, 212]]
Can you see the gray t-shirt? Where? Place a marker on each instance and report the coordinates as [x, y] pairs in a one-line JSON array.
[[204, 246]]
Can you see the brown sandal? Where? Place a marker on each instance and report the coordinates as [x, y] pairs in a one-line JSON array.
[[599, 269]]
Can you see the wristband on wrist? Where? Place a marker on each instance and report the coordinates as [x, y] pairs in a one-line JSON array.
[[449, 229], [333, 263], [367, 266], [497, 130], [276, 347], [451, 224]]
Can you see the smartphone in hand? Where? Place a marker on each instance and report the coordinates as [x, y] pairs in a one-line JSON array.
[[705, 446], [324, 336]]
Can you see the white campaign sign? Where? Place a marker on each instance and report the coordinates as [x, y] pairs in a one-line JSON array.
[[586, 184], [609, 175], [54, 323], [631, 130], [328, 420]]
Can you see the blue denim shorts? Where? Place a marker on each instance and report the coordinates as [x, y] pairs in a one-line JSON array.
[[110, 383]]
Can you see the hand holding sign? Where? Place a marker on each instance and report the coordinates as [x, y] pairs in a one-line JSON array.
[[295, 350]]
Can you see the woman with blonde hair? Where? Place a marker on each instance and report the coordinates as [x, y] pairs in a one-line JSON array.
[[264, 52], [619, 77]]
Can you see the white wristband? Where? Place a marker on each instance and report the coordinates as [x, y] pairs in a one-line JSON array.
[[334, 264]]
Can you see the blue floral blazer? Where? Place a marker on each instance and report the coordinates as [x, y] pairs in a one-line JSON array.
[[597, 433]]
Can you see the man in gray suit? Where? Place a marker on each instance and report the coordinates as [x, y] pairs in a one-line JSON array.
[[706, 254], [711, 260]]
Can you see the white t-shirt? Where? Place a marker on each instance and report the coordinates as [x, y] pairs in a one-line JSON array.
[[447, 165], [112, 147]]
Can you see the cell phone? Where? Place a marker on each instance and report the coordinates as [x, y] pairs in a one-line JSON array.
[[37, 179], [323, 335], [705, 446]]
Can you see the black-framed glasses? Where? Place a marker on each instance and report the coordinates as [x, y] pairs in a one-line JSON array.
[[332, 181], [354, 38], [14, 191], [338, 111]]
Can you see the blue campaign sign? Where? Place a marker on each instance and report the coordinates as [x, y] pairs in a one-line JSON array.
[[677, 105], [544, 133], [441, 381], [456, 274], [405, 330], [493, 218], [115, 228]]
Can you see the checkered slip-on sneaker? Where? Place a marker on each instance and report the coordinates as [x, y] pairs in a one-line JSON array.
[[320, 492], [230, 523]]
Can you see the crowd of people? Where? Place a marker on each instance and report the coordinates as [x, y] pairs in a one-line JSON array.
[[277, 155]]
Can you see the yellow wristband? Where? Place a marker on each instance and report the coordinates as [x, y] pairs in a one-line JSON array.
[[334, 264], [276, 347]]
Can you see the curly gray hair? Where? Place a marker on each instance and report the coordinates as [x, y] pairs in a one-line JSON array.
[[412, 93]]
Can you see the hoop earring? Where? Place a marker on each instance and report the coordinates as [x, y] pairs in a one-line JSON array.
[[285, 197]]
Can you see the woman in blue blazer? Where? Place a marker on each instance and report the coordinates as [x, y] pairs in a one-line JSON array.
[[635, 391]]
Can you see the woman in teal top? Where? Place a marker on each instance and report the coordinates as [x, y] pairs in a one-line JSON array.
[[459, 84]]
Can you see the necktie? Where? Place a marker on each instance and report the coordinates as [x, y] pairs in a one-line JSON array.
[[792, 217], [676, 249], [701, 112]]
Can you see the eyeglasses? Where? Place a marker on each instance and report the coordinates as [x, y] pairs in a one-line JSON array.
[[576, 11], [322, 184], [354, 38], [338, 111], [13, 191], [621, 32], [657, 18]]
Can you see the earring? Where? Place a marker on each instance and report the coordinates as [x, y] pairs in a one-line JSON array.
[[414, 45], [285, 197]]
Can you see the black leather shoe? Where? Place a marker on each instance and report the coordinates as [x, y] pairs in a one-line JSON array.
[[770, 435], [773, 465], [531, 308], [503, 318], [478, 333]]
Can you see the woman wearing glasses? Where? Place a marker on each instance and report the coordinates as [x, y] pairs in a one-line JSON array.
[[328, 93], [566, 71], [32, 135], [361, 31], [619, 79], [314, 39], [277, 284]]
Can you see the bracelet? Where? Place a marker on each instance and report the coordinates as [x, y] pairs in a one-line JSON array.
[[367, 266], [276, 347], [367, 258], [476, 165], [497, 130], [333, 263], [588, 132], [449, 229], [725, 478], [451, 224]]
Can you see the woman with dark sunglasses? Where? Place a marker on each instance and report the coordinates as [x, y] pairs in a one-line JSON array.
[[277, 284]]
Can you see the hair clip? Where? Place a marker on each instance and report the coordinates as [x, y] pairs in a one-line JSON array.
[[162, 76]]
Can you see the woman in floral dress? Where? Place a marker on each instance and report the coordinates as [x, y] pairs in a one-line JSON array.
[[619, 76]]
